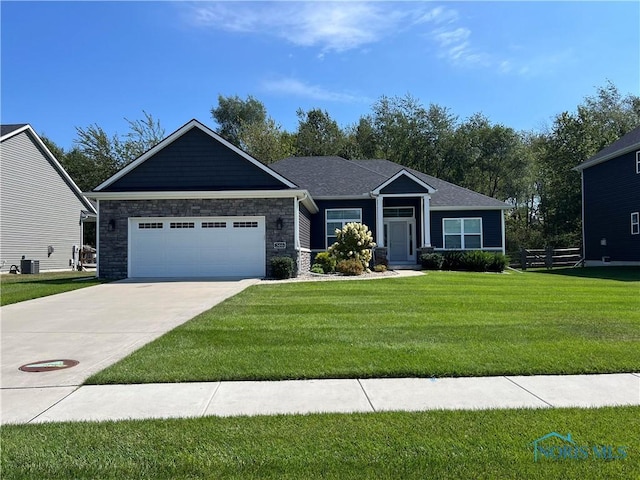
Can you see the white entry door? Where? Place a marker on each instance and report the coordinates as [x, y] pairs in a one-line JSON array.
[[197, 247], [400, 241]]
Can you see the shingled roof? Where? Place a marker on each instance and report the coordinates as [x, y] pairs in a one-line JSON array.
[[625, 144], [336, 177], [7, 129]]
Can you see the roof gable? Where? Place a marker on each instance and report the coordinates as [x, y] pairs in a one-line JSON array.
[[10, 131], [194, 158], [625, 144], [404, 182]]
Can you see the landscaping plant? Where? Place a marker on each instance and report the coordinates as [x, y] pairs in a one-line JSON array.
[[354, 242], [326, 261], [350, 267], [282, 267]]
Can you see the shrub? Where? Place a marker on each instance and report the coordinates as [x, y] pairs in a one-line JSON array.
[[498, 263], [282, 267], [431, 261], [326, 261], [354, 242], [453, 260], [317, 268], [380, 268], [350, 267], [476, 261]]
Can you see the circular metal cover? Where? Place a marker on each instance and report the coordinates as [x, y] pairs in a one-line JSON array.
[[48, 365]]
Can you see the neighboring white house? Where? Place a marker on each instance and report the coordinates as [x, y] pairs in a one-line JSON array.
[[42, 210]]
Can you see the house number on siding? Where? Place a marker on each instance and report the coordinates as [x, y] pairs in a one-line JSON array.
[[279, 245]]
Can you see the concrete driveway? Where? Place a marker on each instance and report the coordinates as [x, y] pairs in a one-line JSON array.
[[96, 326]]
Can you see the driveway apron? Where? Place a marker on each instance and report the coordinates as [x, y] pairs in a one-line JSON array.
[[95, 326]]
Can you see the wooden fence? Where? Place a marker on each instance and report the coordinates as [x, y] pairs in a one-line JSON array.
[[550, 257]]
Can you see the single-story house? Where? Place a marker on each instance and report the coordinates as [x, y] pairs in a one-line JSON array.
[[42, 209], [196, 205], [611, 203]]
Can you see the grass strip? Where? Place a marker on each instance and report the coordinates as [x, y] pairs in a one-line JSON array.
[[492, 444], [18, 288]]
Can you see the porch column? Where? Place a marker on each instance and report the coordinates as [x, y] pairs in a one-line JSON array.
[[379, 221], [426, 221]]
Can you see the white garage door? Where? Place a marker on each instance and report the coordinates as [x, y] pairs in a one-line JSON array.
[[197, 247]]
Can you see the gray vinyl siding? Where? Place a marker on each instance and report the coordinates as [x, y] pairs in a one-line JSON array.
[[37, 207], [195, 162], [611, 194], [305, 227]]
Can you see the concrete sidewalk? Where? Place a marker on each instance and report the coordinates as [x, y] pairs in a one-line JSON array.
[[121, 402]]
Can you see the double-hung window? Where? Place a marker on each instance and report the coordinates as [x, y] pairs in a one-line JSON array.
[[635, 223], [462, 233], [338, 218]]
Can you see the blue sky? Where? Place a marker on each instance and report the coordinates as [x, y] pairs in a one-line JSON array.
[[72, 64]]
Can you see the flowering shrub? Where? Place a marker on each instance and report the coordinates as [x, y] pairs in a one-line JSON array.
[[354, 242]]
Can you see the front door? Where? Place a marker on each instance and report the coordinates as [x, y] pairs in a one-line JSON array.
[[399, 241]]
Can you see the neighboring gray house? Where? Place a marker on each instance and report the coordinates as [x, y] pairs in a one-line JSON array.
[[197, 206], [611, 203], [41, 208]]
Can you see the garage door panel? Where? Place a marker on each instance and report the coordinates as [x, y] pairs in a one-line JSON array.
[[198, 247]]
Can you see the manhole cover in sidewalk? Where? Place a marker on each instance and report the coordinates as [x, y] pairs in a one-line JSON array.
[[48, 365]]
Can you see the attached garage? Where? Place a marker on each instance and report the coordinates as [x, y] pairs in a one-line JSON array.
[[197, 206], [196, 247]]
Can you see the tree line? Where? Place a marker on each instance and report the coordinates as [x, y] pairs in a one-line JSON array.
[[532, 171]]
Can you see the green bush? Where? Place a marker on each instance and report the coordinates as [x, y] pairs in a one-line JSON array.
[[355, 242], [453, 260], [431, 261], [498, 263], [477, 261], [474, 261], [351, 267], [317, 268], [282, 267], [326, 261], [380, 268]]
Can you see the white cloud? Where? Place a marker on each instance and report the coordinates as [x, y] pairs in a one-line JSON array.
[[295, 87], [347, 25], [330, 26]]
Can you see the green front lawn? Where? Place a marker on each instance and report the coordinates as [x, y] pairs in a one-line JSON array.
[[440, 324], [18, 288], [493, 444]]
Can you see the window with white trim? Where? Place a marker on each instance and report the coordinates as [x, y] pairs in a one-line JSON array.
[[398, 212], [638, 161], [462, 233], [337, 218], [635, 223]]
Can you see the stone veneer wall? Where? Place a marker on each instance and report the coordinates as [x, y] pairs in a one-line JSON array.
[[113, 245], [304, 262]]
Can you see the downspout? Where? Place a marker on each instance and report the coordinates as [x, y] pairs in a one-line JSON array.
[[584, 239], [98, 240], [504, 233]]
